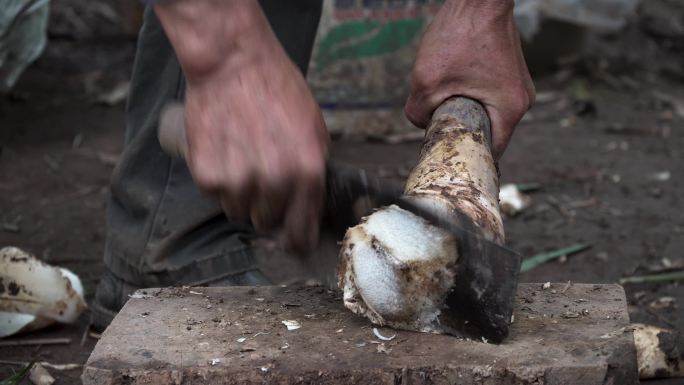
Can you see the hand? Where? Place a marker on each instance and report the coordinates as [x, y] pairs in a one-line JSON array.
[[472, 49], [256, 137]]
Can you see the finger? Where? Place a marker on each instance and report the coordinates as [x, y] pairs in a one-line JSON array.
[[238, 187], [415, 110], [274, 185], [267, 209], [301, 223], [236, 204], [502, 131]]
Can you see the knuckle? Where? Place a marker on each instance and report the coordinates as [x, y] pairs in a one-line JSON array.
[[521, 100], [204, 177], [312, 171], [423, 78], [237, 180], [411, 112]]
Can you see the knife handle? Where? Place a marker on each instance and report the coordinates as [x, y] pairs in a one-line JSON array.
[[468, 111], [172, 130]]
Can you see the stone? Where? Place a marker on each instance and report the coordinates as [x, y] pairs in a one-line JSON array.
[[577, 334]]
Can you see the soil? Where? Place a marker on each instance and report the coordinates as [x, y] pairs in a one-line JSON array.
[[605, 144]]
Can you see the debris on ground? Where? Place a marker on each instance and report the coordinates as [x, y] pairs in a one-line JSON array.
[[660, 176], [38, 375], [660, 352], [380, 336], [35, 294], [663, 303], [670, 276], [539, 259], [116, 95], [45, 364], [291, 324], [381, 348], [36, 341], [17, 377], [512, 200]]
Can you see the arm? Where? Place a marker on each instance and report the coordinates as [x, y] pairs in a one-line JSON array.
[[472, 49], [256, 137]]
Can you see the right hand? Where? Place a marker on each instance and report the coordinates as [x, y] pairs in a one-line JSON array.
[[472, 48], [256, 137]]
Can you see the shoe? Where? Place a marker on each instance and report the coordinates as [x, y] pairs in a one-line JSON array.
[[110, 296]]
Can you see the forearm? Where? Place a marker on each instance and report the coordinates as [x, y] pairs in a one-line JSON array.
[[208, 34]]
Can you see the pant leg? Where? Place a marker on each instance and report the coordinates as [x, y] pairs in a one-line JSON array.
[[160, 229]]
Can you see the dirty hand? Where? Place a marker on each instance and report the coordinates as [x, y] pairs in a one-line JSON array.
[[472, 49], [256, 137]]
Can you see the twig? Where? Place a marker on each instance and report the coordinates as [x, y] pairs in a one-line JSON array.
[[94, 335], [654, 278], [43, 363], [37, 341], [532, 262], [84, 336], [566, 287], [581, 204]]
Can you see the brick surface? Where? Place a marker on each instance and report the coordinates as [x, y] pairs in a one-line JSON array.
[[561, 335]]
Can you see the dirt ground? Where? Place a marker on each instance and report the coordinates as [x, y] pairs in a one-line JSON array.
[[605, 144]]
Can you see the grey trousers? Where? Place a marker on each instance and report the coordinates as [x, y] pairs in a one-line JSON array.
[[161, 230]]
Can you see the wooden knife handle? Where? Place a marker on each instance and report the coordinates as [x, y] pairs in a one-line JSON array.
[[172, 130]]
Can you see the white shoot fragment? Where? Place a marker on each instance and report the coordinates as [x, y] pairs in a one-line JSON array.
[[242, 339], [138, 295], [291, 324], [35, 293], [380, 336], [214, 361], [511, 200], [661, 176], [547, 285], [40, 376]]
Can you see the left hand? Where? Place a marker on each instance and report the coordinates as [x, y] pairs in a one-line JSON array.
[[472, 49]]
